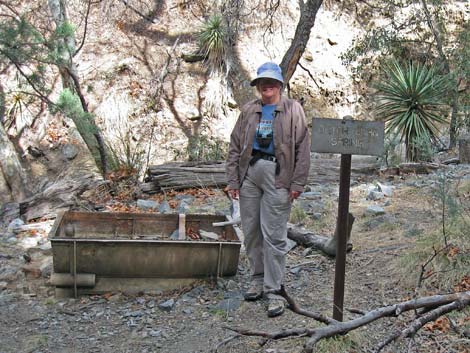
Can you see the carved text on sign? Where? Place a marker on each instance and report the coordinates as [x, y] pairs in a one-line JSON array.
[[347, 136]]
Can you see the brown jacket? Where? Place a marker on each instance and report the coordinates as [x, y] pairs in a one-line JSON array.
[[291, 144]]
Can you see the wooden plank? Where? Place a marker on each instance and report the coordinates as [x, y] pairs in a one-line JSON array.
[[182, 226]]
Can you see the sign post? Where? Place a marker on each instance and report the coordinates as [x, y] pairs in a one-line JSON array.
[[346, 137]]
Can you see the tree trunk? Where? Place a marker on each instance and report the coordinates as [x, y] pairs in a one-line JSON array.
[[453, 118], [87, 128], [464, 150], [446, 68], [308, 12], [12, 171], [11, 168]]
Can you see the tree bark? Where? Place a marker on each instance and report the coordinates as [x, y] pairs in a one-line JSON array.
[[174, 176], [464, 150], [446, 66], [87, 128], [11, 169], [323, 243], [308, 12]]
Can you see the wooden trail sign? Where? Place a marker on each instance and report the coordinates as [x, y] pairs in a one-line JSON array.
[[346, 137]]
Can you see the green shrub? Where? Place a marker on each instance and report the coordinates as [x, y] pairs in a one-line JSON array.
[[297, 214], [203, 148], [423, 149], [440, 256], [391, 157], [128, 153]]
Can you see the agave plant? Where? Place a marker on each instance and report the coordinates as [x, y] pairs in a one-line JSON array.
[[213, 40], [410, 101]]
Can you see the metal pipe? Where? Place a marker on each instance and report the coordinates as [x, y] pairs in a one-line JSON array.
[[69, 280]]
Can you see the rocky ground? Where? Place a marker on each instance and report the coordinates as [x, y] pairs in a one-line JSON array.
[[198, 318]]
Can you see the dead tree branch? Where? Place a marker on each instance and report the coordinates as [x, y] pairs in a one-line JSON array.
[[87, 15], [421, 321], [423, 274], [442, 304], [310, 74], [296, 309], [132, 8]]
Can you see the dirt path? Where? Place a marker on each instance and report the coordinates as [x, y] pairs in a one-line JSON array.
[[32, 320]]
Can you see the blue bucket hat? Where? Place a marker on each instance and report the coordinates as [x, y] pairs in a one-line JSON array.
[[268, 70]]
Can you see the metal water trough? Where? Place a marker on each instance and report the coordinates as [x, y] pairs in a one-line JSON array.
[[98, 252]]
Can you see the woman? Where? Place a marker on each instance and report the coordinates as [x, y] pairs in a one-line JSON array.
[[267, 168]]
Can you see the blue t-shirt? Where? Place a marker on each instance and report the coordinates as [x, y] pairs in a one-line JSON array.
[[264, 130]]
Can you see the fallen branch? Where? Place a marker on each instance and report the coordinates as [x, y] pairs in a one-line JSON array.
[[273, 335], [225, 341], [417, 168], [421, 321], [296, 309], [442, 303], [324, 243]]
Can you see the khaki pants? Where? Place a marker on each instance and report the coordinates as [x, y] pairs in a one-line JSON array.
[[265, 212]]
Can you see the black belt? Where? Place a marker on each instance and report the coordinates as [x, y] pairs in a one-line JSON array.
[[261, 155]]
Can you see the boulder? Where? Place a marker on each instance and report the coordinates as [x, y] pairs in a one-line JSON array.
[[164, 208], [374, 210], [167, 305], [387, 190], [147, 204], [375, 195], [69, 151]]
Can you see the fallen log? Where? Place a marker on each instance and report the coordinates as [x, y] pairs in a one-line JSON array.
[[417, 168], [178, 175], [323, 243], [57, 196], [192, 57], [440, 304], [183, 175]]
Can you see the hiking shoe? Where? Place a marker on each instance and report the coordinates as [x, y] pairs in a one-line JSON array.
[[275, 307], [254, 292]]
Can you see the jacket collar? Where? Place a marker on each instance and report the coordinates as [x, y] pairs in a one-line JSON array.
[[279, 106]]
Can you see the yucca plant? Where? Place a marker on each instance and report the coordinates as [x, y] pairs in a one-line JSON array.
[[19, 114], [213, 39], [410, 101]]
